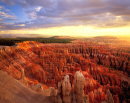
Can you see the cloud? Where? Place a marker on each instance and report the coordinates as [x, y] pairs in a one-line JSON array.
[[27, 3], [49, 13], [5, 14]]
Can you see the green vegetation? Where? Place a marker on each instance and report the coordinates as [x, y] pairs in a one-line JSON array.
[[12, 41]]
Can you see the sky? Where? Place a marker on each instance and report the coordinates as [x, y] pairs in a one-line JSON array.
[[81, 18]]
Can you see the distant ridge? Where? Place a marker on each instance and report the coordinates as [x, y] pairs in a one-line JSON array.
[[105, 37], [62, 37]]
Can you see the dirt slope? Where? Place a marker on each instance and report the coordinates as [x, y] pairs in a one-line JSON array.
[[12, 91]]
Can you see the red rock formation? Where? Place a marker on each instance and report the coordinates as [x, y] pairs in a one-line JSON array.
[[102, 69], [79, 83], [66, 90]]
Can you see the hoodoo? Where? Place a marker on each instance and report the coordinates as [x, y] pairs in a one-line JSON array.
[[79, 72], [66, 90], [72, 93], [79, 83]]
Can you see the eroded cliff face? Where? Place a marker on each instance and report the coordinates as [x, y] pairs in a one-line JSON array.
[[73, 73]]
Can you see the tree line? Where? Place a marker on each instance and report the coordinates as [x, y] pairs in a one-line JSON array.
[[13, 41]]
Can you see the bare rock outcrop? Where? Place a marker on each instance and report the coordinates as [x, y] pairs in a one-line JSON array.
[[72, 93], [79, 82], [110, 98], [66, 90]]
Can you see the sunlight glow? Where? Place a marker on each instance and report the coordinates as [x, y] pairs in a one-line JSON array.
[[76, 31]]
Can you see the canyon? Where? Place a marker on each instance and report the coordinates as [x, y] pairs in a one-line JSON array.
[[82, 71]]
